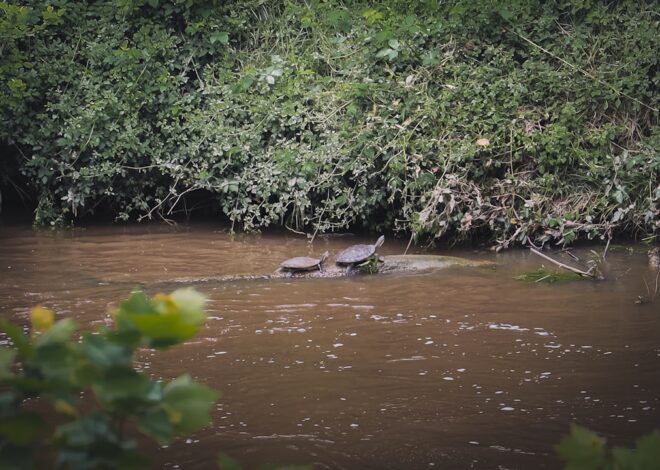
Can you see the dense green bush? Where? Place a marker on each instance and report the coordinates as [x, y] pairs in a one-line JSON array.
[[490, 119], [70, 402]]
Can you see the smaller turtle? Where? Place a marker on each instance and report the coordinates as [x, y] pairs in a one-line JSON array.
[[356, 254], [303, 263]]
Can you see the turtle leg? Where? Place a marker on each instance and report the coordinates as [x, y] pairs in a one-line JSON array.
[[321, 268], [349, 269], [289, 274]]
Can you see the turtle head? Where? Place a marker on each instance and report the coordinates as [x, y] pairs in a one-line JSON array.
[[324, 256], [379, 242]]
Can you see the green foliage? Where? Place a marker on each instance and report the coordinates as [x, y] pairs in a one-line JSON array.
[[550, 277], [584, 450], [503, 120], [54, 368]]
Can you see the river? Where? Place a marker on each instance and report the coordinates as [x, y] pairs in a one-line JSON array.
[[459, 368]]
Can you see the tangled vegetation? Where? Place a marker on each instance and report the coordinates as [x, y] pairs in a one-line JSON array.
[[485, 119], [76, 403]]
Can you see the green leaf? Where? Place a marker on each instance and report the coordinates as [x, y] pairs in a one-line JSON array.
[[104, 353], [156, 424], [190, 302], [387, 53], [56, 362], [137, 303], [505, 13], [624, 459], [84, 431], [582, 450], [7, 357], [60, 332], [92, 442], [13, 457], [20, 340], [221, 37], [21, 428], [188, 404], [164, 320], [8, 402], [226, 462], [123, 389], [648, 451]]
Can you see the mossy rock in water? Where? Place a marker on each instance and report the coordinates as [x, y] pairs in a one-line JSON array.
[[548, 277]]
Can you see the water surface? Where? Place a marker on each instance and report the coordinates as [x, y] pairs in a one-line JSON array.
[[460, 368]]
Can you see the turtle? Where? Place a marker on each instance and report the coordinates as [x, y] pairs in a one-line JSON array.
[[303, 263], [356, 254]]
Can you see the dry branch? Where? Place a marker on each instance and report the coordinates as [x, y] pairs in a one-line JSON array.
[[565, 266]]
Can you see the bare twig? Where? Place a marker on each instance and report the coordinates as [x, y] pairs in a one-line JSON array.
[[531, 243], [294, 230], [570, 253], [562, 265], [409, 243], [609, 239], [192, 188]]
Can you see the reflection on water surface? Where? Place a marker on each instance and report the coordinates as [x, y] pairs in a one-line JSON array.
[[461, 368]]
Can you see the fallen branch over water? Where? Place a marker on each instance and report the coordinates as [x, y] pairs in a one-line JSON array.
[[565, 266]]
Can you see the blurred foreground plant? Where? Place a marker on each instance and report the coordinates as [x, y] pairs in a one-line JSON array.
[[80, 400], [584, 450]]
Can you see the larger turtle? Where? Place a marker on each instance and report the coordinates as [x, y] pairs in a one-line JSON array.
[[357, 254], [303, 263]]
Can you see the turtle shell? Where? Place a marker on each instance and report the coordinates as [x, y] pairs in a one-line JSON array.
[[303, 263], [358, 253]]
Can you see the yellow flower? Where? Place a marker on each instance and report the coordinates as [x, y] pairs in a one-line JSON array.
[[66, 408], [41, 319]]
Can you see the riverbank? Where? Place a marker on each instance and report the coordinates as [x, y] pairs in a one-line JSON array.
[[461, 121]]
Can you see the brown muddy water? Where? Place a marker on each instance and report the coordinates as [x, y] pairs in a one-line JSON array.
[[460, 368]]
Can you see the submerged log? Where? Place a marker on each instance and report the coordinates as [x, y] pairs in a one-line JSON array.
[[388, 265]]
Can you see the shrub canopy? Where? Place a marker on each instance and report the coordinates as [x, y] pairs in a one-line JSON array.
[[490, 119]]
